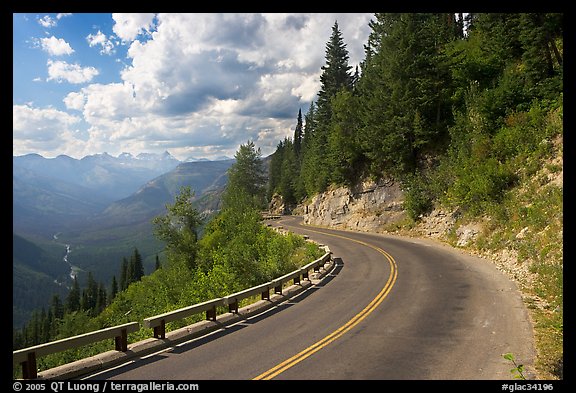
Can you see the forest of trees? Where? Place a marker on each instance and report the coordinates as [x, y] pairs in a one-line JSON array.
[[44, 325], [426, 107]]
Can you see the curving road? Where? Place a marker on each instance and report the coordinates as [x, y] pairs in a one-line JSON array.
[[393, 308]]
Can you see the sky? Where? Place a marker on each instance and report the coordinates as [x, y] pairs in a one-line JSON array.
[[195, 85]]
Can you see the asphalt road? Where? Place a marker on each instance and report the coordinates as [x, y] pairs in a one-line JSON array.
[[393, 308]]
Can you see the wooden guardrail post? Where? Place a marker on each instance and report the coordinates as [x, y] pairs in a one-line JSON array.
[[121, 341], [160, 330], [266, 294], [29, 368], [278, 288], [233, 306], [211, 314]]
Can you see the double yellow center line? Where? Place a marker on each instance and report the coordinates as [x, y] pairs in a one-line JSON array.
[[285, 365]]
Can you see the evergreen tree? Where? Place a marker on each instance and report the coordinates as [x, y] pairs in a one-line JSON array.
[[130, 272], [308, 166], [137, 266], [309, 127], [538, 33], [406, 90], [45, 322], [113, 289], [124, 278], [179, 228], [298, 133], [89, 294], [73, 298], [246, 178], [335, 77], [275, 170], [101, 299], [288, 174], [335, 73], [344, 153], [56, 307]]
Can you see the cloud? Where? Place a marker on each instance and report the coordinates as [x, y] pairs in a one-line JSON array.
[[56, 46], [62, 15], [36, 129], [72, 73], [202, 84], [75, 100], [129, 26], [100, 39], [46, 21]]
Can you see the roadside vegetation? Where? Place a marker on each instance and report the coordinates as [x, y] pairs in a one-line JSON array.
[[466, 113], [236, 251]]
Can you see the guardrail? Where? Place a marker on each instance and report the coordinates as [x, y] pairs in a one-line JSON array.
[[158, 322], [27, 356]]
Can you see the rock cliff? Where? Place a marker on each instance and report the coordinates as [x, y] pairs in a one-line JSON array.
[[370, 207]]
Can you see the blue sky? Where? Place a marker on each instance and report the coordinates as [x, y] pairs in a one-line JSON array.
[[197, 85]]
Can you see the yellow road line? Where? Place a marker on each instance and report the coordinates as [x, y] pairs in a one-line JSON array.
[[285, 365]]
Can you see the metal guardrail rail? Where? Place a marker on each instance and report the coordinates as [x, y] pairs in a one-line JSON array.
[[27, 356], [158, 322]]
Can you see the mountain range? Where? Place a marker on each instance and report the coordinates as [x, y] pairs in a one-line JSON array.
[[95, 210]]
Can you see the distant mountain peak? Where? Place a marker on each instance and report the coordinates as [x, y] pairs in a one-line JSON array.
[[155, 156]]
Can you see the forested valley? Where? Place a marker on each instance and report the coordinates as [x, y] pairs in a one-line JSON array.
[[461, 109]]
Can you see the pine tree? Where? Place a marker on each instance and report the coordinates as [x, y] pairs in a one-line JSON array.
[[275, 170], [100, 299], [56, 307], [344, 153], [137, 266], [298, 133], [308, 165], [73, 298], [113, 289], [90, 294], [124, 281], [335, 77], [288, 174], [335, 73], [246, 178], [406, 90]]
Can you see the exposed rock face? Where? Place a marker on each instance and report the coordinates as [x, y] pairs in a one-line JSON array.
[[369, 207], [276, 205], [438, 223]]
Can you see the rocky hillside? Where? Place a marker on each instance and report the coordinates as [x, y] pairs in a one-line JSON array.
[[528, 248], [371, 207]]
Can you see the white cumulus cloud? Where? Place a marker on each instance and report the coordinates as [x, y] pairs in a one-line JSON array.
[[202, 84], [107, 46], [47, 22], [129, 26], [41, 129], [60, 71], [56, 46]]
